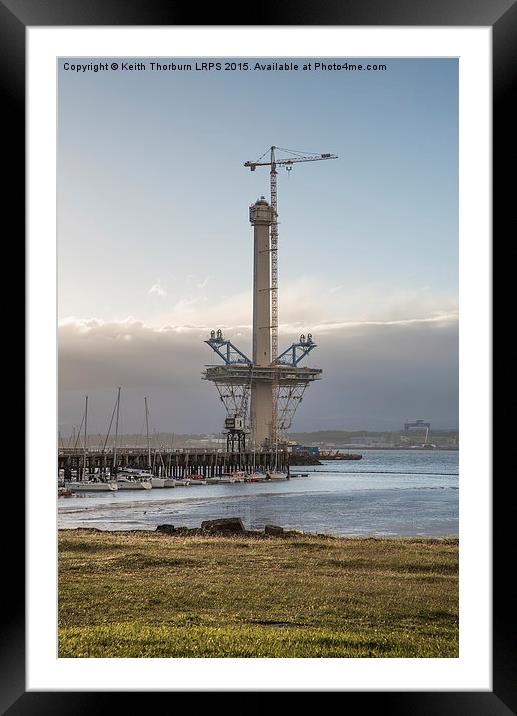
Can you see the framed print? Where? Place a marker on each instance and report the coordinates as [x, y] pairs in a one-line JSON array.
[[137, 125]]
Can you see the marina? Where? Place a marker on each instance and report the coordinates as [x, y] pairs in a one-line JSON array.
[[388, 493]]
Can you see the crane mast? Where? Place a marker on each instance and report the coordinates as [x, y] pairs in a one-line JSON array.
[[274, 260], [273, 162], [274, 299]]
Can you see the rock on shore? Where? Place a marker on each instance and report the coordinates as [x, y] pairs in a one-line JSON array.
[[226, 526]]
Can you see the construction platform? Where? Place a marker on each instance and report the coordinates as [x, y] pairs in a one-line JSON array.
[[284, 375]]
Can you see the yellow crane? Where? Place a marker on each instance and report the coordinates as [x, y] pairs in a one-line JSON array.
[[270, 159]]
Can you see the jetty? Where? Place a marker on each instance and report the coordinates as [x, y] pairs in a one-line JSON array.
[[179, 463], [338, 455]]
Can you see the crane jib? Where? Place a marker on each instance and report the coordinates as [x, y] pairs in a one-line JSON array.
[[253, 165]]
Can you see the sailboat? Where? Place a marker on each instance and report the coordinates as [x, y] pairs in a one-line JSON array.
[[169, 481], [163, 481], [129, 478], [184, 480], [92, 486], [255, 476], [276, 474], [88, 483], [155, 481]]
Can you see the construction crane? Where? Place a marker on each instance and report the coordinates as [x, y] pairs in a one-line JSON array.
[[270, 159], [419, 425]]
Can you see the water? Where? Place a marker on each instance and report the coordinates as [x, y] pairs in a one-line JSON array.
[[388, 492]]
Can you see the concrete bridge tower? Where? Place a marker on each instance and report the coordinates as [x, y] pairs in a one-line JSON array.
[[261, 218], [255, 390]]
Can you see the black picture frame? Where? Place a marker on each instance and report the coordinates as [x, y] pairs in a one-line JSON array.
[[501, 16]]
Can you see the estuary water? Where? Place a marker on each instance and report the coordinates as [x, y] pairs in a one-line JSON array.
[[387, 493]]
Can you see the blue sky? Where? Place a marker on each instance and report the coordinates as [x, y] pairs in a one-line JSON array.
[[153, 199]]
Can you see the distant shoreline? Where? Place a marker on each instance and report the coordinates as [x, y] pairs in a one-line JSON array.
[[411, 449]]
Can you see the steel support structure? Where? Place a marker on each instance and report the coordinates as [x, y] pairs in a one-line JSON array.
[[289, 382]]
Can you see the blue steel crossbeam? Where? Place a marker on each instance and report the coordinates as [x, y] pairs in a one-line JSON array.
[[226, 350], [297, 351]]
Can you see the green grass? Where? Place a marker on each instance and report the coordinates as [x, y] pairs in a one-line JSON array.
[[152, 595]]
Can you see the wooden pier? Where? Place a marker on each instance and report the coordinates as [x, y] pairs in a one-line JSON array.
[[168, 463]]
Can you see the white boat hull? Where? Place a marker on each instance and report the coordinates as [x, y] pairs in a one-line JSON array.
[[277, 475], [134, 479], [92, 486], [134, 485], [235, 476], [255, 477]]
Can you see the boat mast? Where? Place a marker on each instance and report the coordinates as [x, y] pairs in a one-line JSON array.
[[116, 436], [147, 432], [85, 424]]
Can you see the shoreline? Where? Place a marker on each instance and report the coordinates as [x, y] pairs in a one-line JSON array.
[[182, 532]]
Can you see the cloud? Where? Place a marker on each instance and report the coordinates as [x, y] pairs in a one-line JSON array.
[[307, 304], [157, 289], [201, 283], [375, 374], [442, 319], [100, 354]]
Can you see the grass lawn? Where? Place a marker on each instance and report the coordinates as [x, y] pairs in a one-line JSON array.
[[145, 594]]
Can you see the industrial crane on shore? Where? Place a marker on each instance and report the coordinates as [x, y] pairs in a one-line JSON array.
[[270, 159]]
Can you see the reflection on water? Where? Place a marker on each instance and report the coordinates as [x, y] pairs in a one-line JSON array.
[[394, 492]]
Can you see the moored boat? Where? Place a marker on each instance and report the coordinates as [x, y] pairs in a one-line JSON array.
[[255, 477], [197, 479], [125, 483], [235, 476], [133, 479], [92, 486], [275, 475]]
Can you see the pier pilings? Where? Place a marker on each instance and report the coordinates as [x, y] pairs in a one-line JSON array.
[[73, 463]]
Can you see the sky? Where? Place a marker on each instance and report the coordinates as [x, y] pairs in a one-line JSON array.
[[155, 245]]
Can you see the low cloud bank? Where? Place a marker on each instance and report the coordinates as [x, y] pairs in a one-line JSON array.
[[376, 373]]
